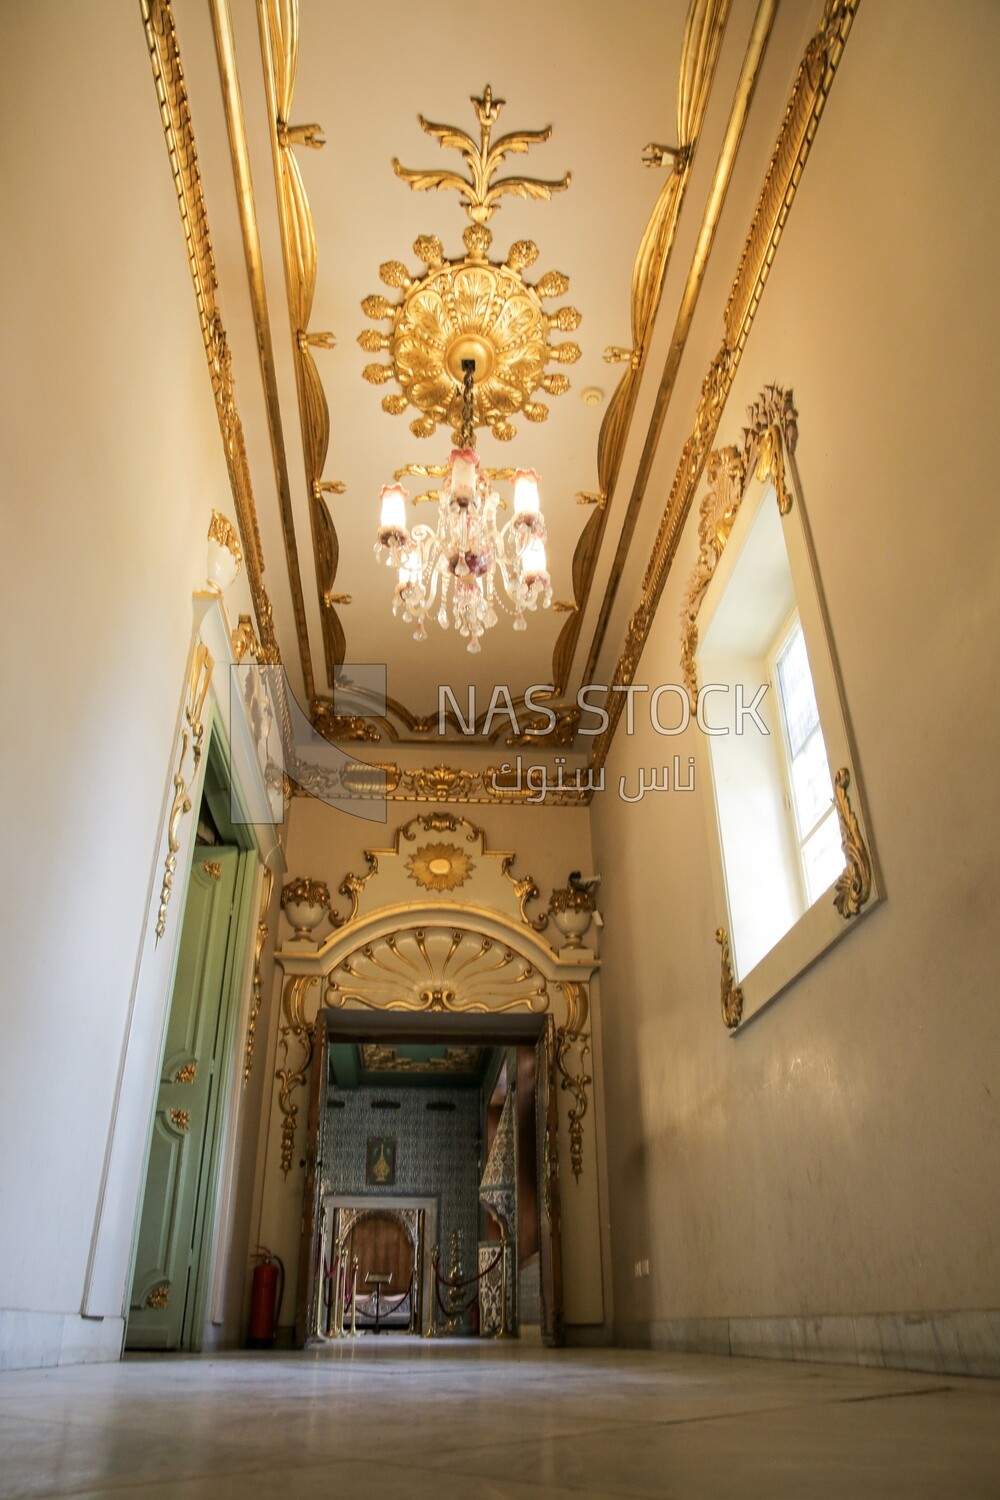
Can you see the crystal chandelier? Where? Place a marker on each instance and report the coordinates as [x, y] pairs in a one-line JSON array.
[[469, 565]]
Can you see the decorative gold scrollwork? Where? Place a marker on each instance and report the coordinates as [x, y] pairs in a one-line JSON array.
[[772, 426], [732, 993], [260, 942], [192, 736], [471, 307], [290, 1079], [854, 885], [569, 1036]]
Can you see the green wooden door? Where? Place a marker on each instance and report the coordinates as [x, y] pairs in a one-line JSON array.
[[169, 1231]]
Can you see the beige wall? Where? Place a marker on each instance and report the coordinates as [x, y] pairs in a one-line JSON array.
[[840, 1155], [110, 463]]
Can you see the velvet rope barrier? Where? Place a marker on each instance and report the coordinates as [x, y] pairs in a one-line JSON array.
[[455, 1285]]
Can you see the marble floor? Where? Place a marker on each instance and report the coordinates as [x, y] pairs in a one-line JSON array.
[[468, 1419]]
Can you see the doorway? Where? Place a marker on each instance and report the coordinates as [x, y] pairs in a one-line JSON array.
[[456, 1111], [173, 1249]]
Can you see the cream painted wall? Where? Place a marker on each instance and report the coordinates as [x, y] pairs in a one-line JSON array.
[[110, 463], [841, 1154]]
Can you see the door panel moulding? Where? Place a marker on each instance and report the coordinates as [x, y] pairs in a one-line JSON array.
[[107, 1277]]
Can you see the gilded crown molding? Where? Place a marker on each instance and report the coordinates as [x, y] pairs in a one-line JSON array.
[[175, 115], [810, 90], [278, 24], [494, 785], [703, 35], [232, 98]]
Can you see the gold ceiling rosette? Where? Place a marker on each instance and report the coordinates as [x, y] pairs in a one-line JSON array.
[[472, 307]]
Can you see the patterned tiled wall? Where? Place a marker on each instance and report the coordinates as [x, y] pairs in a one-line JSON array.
[[436, 1154]]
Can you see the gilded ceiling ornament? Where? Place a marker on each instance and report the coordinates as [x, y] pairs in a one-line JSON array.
[[472, 308], [854, 884], [732, 993], [440, 867]]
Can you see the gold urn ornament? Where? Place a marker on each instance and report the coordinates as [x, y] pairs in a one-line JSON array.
[[305, 904]]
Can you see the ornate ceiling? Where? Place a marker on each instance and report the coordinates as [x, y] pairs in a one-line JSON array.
[[343, 149]]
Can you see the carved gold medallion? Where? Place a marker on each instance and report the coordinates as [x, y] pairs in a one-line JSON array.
[[440, 867], [472, 308]]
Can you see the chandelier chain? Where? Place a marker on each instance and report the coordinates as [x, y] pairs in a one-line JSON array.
[[467, 431]]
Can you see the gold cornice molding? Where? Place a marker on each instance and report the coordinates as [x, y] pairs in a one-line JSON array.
[[798, 129], [278, 25], [175, 115], [492, 786], [739, 112], [703, 35], [232, 98]]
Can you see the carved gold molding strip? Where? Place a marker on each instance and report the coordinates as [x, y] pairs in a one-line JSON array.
[[260, 942], [175, 114], [854, 885], [703, 34], [278, 24], [808, 99], [772, 429], [732, 993], [441, 783], [569, 1037], [739, 113], [192, 738], [295, 1030], [232, 99]]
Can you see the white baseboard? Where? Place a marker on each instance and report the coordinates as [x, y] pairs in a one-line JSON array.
[[35, 1340], [945, 1343]]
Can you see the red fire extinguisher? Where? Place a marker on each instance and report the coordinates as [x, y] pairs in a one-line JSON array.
[[266, 1292]]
